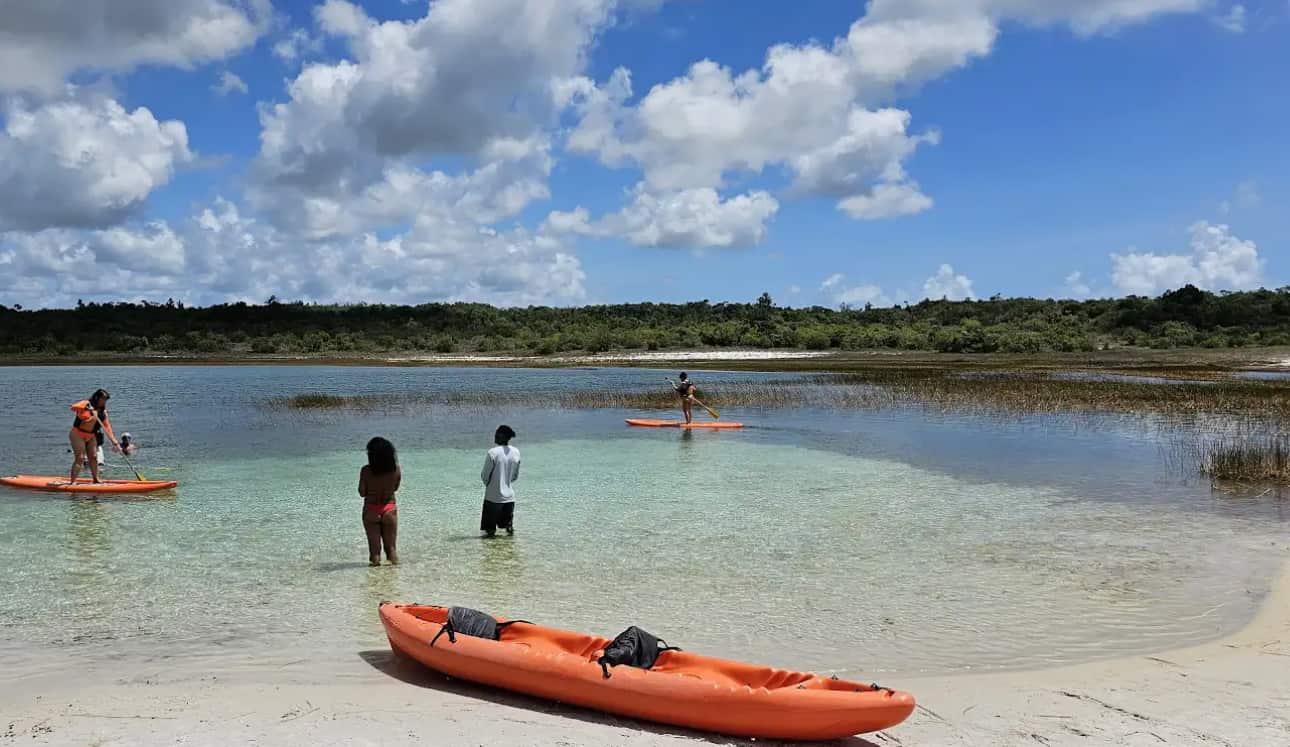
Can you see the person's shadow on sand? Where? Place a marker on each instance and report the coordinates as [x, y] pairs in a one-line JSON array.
[[413, 673]]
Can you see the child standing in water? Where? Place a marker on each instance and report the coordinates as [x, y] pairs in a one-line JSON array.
[[501, 469], [377, 484]]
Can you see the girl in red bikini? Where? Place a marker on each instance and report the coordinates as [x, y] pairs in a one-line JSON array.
[[377, 483]]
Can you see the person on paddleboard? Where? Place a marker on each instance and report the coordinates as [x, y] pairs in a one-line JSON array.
[[685, 389], [378, 481], [90, 423]]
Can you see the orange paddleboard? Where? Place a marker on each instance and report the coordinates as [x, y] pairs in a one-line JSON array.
[[684, 689], [85, 485], [714, 424]]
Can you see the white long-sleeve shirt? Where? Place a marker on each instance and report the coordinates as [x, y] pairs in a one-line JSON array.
[[501, 468]]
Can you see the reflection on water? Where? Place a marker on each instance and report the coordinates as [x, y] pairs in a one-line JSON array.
[[894, 540], [501, 566]]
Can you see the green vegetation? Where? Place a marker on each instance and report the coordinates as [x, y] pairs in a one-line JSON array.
[[1184, 318], [1262, 460], [316, 401], [945, 388]]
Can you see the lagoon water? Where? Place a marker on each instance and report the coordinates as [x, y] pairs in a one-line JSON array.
[[862, 543]]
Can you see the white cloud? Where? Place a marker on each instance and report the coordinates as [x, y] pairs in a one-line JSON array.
[[42, 43], [228, 83], [858, 295], [1233, 20], [862, 295], [684, 219], [221, 254], [297, 45], [466, 77], [83, 161], [1076, 284], [946, 284], [794, 289], [810, 108], [888, 200], [692, 219], [1247, 197], [1218, 261]]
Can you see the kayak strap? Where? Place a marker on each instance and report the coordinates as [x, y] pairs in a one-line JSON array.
[[448, 628]]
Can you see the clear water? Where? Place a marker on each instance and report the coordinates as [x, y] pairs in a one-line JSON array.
[[862, 543]]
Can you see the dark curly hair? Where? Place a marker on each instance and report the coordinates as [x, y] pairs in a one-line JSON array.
[[381, 457]]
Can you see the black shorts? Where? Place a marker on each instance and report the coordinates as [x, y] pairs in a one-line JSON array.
[[496, 515]]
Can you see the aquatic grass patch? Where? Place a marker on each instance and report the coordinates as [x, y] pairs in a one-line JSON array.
[[315, 401], [1264, 459], [948, 389]]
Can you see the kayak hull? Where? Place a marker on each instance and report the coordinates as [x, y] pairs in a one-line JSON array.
[[683, 689], [707, 424], [85, 485]]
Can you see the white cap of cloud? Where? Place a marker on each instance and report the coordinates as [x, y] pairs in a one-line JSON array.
[[948, 285], [44, 42], [1218, 261], [83, 161]]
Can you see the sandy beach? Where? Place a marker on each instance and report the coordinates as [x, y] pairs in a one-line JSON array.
[[1234, 691]]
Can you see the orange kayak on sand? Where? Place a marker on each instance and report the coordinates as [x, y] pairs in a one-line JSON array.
[[682, 689], [714, 424], [85, 484]]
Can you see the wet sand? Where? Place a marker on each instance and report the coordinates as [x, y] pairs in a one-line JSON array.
[[1234, 691]]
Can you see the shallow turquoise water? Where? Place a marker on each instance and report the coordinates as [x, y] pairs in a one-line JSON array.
[[861, 543]]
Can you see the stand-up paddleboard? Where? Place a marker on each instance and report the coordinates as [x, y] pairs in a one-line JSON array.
[[715, 424], [85, 485]]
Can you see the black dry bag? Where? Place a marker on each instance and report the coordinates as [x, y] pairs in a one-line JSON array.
[[473, 623], [635, 648]]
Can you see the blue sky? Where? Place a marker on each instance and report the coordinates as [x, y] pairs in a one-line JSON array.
[[894, 151]]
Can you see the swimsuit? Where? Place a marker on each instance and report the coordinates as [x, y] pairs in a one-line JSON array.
[[379, 509]]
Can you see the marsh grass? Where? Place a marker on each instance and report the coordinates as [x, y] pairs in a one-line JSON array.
[[316, 401], [1264, 459], [943, 389]]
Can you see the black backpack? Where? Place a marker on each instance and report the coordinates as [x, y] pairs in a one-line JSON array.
[[635, 648], [473, 623]]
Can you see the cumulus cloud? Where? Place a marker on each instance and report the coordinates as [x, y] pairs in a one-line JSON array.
[[1078, 287], [223, 254], [228, 83], [685, 219], [887, 200], [858, 295], [467, 74], [948, 285], [42, 43], [1233, 20], [83, 162], [297, 45], [1247, 197], [811, 108], [1218, 260]]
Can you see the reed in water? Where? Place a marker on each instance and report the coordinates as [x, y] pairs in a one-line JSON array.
[[1264, 459]]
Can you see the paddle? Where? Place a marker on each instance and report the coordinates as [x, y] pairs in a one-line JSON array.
[[715, 415], [137, 474]]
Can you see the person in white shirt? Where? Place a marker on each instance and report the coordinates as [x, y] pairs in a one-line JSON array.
[[501, 470]]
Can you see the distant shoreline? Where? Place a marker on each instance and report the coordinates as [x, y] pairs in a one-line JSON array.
[[1179, 360]]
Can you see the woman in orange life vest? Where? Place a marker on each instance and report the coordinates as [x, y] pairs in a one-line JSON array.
[[91, 419]]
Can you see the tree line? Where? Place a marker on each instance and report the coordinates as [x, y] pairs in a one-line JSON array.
[[1187, 317]]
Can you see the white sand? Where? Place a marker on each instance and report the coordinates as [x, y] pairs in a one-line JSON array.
[[1234, 692]]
